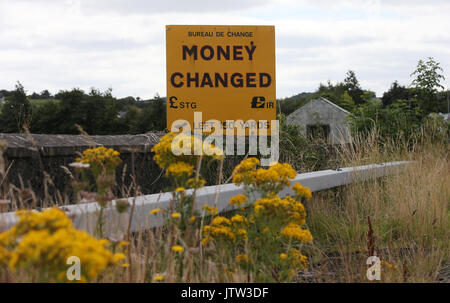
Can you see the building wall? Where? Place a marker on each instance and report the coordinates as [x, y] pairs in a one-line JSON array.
[[319, 111]]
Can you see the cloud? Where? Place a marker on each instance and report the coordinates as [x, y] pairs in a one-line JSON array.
[[49, 44], [152, 7]]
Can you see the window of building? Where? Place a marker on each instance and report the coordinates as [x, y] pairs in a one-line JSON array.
[[318, 131]]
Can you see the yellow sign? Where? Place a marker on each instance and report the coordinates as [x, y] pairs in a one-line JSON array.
[[224, 72]]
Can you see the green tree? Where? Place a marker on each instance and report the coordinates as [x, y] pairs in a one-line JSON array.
[[100, 113], [47, 119], [16, 112], [427, 83], [45, 94], [158, 113], [353, 88], [428, 75], [72, 111], [347, 102], [396, 92], [131, 119]]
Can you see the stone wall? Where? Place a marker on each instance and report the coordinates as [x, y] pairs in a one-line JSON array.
[[32, 157], [36, 161]]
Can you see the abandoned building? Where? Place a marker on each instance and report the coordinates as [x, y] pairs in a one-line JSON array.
[[320, 118]]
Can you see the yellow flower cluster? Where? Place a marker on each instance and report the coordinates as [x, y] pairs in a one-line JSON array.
[[175, 215], [179, 169], [163, 151], [154, 211], [178, 248], [297, 260], [242, 233], [175, 147], [223, 228], [210, 209], [245, 171], [238, 200], [277, 173], [100, 156], [220, 221], [45, 240], [389, 265], [238, 219], [52, 220], [301, 191], [243, 259], [296, 232], [271, 219], [270, 180], [286, 209], [191, 182]]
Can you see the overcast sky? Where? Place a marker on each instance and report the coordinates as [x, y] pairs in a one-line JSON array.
[[57, 44]]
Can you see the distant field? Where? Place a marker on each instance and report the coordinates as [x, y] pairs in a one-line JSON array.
[[36, 102], [39, 102]]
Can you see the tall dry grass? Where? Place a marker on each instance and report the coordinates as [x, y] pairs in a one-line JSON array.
[[409, 213]]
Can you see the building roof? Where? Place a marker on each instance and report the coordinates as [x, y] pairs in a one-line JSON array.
[[324, 101], [327, 102]]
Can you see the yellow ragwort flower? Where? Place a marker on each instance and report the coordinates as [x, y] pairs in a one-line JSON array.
[[179, 169], [296, 232], [124, 243], [302, 191], [242, 233], [243, 259], [238, 200], [175, 215], [297, 259], [119, 257], [238, 219], [178, 248], [48, 237], [206, 240], [154, 211], [210, 209], [100, 156], [219, 220]]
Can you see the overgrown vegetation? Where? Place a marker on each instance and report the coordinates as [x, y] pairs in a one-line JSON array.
[[404, 218], [275, 238], [400, 112], [409, 214]]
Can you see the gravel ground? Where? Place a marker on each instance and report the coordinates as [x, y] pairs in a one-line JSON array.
[[444, 274], [332, 273]]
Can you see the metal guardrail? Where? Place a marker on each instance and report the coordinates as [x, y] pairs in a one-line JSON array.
[[85, 215]]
